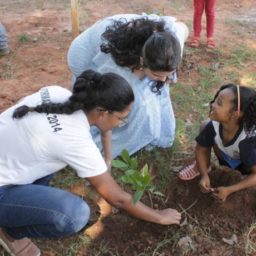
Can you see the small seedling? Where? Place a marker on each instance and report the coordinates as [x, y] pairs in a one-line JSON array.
[[23, 38], [139, 180]]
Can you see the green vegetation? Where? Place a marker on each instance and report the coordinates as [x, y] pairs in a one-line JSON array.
[[139, 180], [24, 38]]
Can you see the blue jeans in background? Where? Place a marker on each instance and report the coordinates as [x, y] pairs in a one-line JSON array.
[[40, 211], [3, 38]]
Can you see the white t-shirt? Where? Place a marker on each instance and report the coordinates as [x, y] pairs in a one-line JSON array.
[[40, 144]]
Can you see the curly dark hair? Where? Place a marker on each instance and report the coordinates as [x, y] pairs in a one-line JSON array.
[[128, 41], [108, 91], [247, 104], [124, 40]]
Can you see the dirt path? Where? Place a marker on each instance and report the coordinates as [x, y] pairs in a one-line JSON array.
[[40, 35]]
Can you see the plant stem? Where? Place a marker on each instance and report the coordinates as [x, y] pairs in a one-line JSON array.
[[185, 210], [150, 198]]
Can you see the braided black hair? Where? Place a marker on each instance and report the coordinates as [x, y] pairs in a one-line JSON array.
[[108, 91], [247, 104]]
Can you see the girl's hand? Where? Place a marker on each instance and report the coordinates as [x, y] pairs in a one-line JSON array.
[[221, 193], [169, 216], [205, 184]]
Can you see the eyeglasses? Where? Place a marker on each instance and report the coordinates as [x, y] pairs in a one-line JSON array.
[[123, 120], [238, 99]]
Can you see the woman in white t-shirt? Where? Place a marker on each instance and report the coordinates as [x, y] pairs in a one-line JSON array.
[[42, 134]]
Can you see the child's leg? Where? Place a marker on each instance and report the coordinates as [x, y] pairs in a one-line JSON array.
[[210, 17], [238, 166], [41, 212], [197, 21], [191, 171]]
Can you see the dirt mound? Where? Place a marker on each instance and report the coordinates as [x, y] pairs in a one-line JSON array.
[[208, 218], [223, 219]]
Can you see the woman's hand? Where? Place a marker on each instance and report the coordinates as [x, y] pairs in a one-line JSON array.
[[205, 184], [108, 163], [221, 193], [169, 216], [107, 187]]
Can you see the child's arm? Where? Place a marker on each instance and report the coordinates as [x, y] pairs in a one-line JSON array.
[[203, 156], [223, 192], [106, 144]]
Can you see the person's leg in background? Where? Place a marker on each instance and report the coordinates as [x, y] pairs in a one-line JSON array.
[[197, 22], [4, 49], [210, 21]]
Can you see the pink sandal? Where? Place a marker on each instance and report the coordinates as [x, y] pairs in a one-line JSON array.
[[189, 172], [21, 247], [210, 43], [194, 42]]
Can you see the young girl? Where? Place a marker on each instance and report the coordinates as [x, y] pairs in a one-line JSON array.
[[232, 134], [44, 133], [199, 7]]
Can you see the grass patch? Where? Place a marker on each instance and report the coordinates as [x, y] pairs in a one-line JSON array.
[[8, 70], [249, 78], [239, 56], [65, 178], [250, 245], [180, 5], [208, 78], [74, 247], [103, 249], [24, 38]]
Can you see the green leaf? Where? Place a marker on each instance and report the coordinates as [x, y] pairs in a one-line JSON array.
[[133, 163], [119, 164], [152, 189], [137, 196], [144, 170], [125, 156], [130, 172], [126, 179], [146, 180], [158, 193]]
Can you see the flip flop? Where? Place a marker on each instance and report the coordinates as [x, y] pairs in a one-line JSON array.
[[190, 172]]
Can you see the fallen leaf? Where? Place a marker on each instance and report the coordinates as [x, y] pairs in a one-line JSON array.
[[231, 241]]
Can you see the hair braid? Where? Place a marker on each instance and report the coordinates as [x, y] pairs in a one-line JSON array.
[[91, 89]]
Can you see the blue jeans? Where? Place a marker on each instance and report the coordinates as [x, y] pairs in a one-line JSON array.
[[3, 38], [39, 211]]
